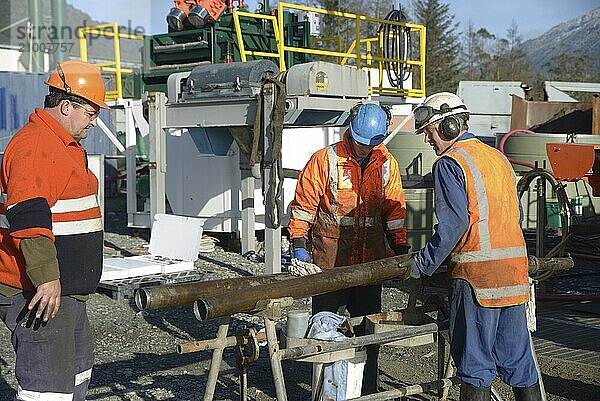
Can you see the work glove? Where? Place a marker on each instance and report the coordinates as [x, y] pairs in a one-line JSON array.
[[400, 250], [301, 254], [413, 270], [301, 268]]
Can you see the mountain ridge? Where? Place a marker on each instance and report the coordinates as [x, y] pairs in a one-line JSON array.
[[580, 35]]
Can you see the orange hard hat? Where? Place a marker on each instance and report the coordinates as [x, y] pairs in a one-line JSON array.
[[79, 78]]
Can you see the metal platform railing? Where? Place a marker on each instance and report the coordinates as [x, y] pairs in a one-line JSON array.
[[108, 30]]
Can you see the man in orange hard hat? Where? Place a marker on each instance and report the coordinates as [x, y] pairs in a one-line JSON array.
[[51, 238]]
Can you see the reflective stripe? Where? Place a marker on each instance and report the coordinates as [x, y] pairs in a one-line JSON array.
[[4, 221], [490, 254], [368, 221], [394, 224], [27, 395], [77, 227], [333, 176], [502, 292], [83, 377], [385, 175], [303, 215], [3, 198], [345, 220], [482, 201], [350, 221], [75, 205]]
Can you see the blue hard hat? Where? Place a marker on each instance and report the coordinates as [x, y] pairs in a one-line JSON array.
[[368, 124]]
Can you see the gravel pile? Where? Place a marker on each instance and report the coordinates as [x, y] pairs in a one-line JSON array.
[[136, 355]]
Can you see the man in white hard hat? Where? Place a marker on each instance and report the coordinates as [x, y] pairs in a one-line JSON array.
[[479, 236]]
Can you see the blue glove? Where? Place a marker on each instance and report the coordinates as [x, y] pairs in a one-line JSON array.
[[301, 254]]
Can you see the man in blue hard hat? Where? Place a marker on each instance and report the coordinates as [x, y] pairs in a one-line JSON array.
[[349, 197]]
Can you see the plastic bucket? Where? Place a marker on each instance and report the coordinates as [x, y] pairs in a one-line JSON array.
[[553, 219], [346, 387]]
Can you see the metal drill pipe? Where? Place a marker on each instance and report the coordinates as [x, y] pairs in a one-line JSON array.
[[174, 295], [244, 300], [550, 264], [361, 341], [370, 273], [213, 343], [409, 390]]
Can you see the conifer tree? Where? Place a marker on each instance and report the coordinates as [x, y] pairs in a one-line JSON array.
[[442, 46]]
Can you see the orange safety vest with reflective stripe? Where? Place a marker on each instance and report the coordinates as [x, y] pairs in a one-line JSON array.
[[491, 255], [351, 212], [48, 190]]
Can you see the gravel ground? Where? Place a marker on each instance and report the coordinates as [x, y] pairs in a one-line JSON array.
[[136, 355]]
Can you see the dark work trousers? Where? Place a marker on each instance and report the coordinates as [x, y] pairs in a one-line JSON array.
[[359, 301], [55, 357], [486, 341]]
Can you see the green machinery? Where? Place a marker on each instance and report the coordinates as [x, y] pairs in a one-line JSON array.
[[181, 51]]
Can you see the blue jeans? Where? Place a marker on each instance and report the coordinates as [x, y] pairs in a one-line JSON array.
[[486, 341], [52, 357]]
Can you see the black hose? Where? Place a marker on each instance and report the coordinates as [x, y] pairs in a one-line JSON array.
[[396, 45], [565, 210]]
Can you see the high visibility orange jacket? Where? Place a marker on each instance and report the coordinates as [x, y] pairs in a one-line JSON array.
[[491, 255], [48, 190], [350, 211]]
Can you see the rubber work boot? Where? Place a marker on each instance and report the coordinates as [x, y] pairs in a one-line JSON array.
[[470, 393], [531, 393]]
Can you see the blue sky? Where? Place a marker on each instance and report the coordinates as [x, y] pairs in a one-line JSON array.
[[532, 16]]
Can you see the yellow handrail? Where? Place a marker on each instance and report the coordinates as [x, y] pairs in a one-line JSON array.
[[108, 30], [240, 39], [370, 58]]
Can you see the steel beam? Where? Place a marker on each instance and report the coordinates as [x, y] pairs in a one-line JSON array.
[[157, 153], [272, 242]]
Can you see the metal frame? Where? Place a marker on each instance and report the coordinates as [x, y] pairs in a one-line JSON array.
[[157, 154], [238, 32], [355, 52], [234, 112], [366, 59], [315, 350], [134, 120]]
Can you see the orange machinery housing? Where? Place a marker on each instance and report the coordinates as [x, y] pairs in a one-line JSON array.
[[576, 161]]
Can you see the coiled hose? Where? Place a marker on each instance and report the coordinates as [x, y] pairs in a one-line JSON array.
[[396, 45], [557, 187], [563, 201]]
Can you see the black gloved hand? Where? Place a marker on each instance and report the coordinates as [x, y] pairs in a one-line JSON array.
[[400, 250]]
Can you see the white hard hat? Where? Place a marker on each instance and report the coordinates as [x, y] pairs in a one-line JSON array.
[[436, 107]]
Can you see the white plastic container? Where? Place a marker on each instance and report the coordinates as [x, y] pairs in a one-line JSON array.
[[342, 380]]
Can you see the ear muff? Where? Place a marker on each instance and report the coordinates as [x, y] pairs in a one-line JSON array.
[[449, 128], [388, 114], [354, 110]]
